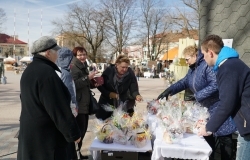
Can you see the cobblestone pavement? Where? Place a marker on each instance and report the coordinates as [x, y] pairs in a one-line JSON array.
[[10, 111]]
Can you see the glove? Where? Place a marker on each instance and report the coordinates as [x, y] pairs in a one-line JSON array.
[[166, 93], [112, 95], [130, 112]]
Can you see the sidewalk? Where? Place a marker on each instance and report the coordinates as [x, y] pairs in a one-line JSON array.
[[10, 109]]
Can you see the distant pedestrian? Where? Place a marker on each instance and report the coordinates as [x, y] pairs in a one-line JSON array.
[[137, 72], [46, 122], [1, 68]]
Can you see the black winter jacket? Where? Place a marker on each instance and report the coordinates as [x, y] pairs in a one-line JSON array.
[[79, 72], [127, 90]]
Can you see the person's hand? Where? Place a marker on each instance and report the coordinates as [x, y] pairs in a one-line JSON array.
[[113, 95], [77, 141], [166, 93], [97, 84], [74, 109], [91, 75], [138, 98], [203, 131]]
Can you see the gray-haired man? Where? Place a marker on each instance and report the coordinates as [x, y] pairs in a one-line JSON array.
[[46, 122]]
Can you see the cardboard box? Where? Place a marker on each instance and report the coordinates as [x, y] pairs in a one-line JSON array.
[[118, 155]]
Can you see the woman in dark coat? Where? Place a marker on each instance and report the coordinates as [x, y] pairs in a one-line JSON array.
[[120, 85], [201, 80], [82, 77]]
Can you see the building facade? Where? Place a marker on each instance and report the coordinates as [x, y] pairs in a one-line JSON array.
[[12, 46]]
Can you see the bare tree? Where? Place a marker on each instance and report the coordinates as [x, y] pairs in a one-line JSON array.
[[83, 22], [156, 20], [120, 20], [2, 18], [187, 18]]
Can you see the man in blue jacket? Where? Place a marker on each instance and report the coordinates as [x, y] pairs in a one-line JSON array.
[[233, 79]]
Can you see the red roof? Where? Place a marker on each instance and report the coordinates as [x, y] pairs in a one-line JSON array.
[[4, 38]]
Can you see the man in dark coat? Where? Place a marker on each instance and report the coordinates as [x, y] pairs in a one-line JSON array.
[[46, 122]]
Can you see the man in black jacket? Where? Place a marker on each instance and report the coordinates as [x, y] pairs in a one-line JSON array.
[[233, 79], [46, 122]]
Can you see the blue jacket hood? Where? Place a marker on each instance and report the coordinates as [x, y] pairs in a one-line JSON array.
[[200, 57], [65, 56], [225, 53]]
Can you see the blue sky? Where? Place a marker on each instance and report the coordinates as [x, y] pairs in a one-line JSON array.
[[49, 9], [41, 13]]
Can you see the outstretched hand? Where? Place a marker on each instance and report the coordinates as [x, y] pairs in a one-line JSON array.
[[164, 94], [139, 98]]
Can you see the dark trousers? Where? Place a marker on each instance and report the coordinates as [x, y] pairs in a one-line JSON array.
[[211, 141], [82, 121], [226, 147]]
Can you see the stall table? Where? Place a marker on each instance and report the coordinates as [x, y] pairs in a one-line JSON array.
[[190, 147], [98, 146]]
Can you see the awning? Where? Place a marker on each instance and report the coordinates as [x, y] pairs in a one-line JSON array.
[[9, 59], [171, 54], [26, 59]]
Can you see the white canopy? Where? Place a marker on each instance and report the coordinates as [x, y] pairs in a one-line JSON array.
[[26, 59], [9, 59]]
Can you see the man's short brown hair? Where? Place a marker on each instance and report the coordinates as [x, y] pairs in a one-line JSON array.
[[213, 42]]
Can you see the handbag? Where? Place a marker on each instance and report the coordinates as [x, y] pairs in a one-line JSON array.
[[93, 105]]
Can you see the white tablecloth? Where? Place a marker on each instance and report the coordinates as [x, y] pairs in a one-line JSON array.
[[97, 146], [190, 147]]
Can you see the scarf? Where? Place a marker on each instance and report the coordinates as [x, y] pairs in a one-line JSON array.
[[118, 79], [192, 66]]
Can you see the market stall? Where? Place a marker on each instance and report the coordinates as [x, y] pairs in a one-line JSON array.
[[171, 125], [174, 124], [122, 135]]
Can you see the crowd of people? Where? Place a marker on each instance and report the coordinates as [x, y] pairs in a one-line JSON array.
[[56, 98]]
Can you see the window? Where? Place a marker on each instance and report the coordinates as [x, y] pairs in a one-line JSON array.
[[21, 51]]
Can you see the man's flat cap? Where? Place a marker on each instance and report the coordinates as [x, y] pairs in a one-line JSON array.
[[43, 44]]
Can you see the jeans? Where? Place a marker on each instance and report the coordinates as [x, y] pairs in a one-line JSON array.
[[243, 148]]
